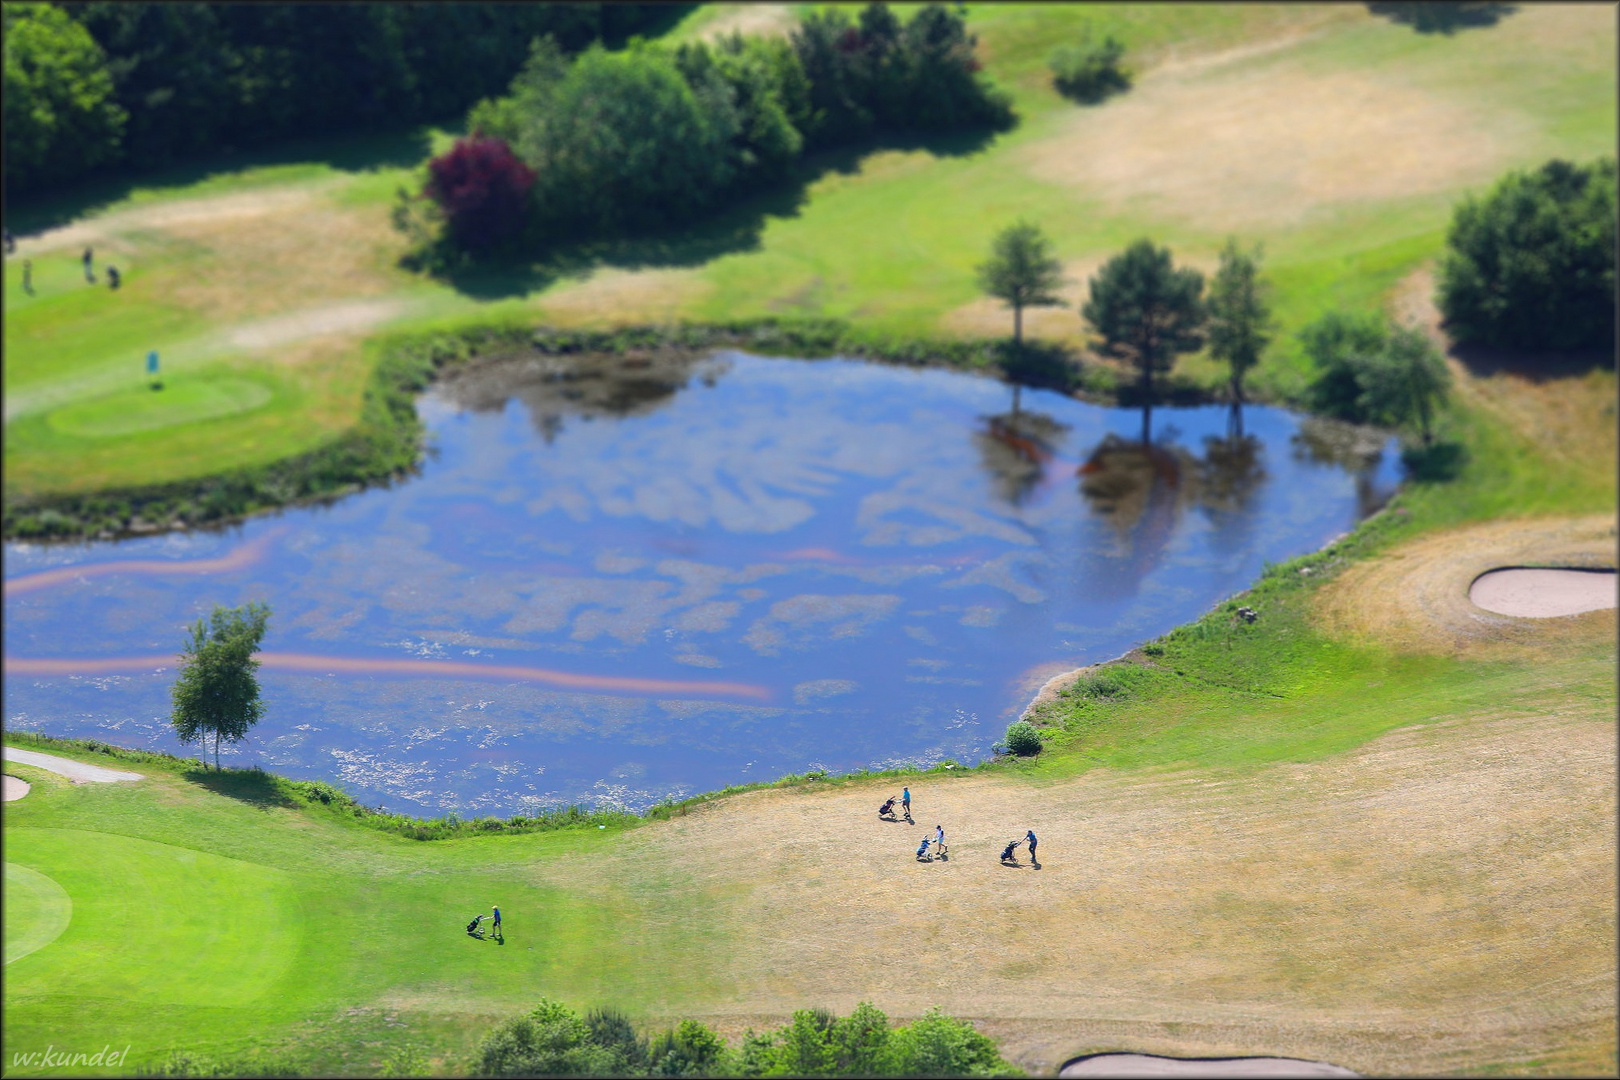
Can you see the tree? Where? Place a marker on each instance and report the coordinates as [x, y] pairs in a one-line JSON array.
[[1146, 310], [1338, 344], [60, 116], [1404, 382], [483, 190], [624, 142], [1531, 266], [217, 692], [1239, 313], [1022, 272]]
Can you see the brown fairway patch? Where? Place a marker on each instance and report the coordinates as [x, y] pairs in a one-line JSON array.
[[1241, 146], [613, 297], [1415, 597], [1439, 899]]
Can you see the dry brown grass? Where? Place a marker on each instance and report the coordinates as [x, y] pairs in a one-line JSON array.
[[1226, 142], [1415, 598], [1441, 899], [616, 297]]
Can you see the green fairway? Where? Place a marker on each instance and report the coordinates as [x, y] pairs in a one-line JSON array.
[[1337, 138], [37, 911]]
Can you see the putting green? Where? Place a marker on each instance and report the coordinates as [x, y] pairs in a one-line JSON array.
[[37, 911], [155, 923], [187, 402]]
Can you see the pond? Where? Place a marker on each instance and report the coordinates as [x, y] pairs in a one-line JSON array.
[[617, 580]]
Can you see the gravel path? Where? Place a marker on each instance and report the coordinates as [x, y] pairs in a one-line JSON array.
[[77, 771]]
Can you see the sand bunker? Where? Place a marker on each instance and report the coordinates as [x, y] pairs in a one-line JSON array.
[[1153, 1065], [1415, 597], [1543, 594], [15, 788]]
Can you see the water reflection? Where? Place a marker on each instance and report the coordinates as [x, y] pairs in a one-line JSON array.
[[1359, 451], [702, 571]]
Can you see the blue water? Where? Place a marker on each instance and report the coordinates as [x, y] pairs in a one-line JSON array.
[[892, 559]]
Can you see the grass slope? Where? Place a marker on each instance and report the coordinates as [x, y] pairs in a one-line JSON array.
[[1337, 138]]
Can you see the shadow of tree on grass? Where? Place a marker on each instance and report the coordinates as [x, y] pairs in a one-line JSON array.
[[1443, 16], [252, 786], [736, 228], [352, 154]]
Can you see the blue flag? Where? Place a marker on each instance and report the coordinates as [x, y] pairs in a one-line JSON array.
[[151, 362]]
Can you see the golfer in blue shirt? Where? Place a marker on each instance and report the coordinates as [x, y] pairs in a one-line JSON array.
[[1030, 836]]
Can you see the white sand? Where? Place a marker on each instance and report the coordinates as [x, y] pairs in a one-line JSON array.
[[77, 771], [1543, 594], [15, 788], [1130, 1065]]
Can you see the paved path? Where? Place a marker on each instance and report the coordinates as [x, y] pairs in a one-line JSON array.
[[77, 771]]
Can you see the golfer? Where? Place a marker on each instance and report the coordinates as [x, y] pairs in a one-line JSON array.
[[1029, 837], [497, 918], [905, 802]]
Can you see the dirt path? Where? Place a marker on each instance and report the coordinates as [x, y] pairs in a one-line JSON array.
[[77, 771]]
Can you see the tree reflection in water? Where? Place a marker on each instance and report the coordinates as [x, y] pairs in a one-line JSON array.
[[1016, 448], [1355, 449], [1141, 488], [586, 386]]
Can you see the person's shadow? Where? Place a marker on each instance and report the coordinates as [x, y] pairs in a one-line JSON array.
[[498, 937]]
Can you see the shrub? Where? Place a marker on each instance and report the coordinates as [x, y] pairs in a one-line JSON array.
[[1022, 738], [549, 1040], [689, 1049], [1531, 265], [1088, 71], [483, 190]]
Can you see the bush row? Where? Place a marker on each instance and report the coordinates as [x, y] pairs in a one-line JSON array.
[[553, 1040]]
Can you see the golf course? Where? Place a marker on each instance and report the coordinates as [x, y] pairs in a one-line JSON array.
[[1373, 824]]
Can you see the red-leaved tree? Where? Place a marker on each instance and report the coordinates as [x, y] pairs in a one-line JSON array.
[[483, 189]]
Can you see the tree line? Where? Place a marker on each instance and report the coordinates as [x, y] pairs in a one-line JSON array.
[[610, 142], [93, 85], [1530, 266]]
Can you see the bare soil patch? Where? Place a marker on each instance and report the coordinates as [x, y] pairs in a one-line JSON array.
[[1415, 597]]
